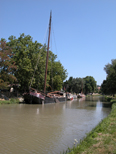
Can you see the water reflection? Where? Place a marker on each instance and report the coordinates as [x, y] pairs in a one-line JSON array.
[[37, 111], [99, 104], [81, 99], [47, 128]]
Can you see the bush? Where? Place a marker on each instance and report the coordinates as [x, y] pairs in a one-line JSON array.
[[11, 101], [113, 101], [108, 99], [14, 101]]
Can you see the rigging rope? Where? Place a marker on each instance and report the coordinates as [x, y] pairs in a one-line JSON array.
[[46, 34], [51, 65], [54, 40], [38, 59], [52, 32]]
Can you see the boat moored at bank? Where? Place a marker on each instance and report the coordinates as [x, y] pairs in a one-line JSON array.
[[36, 97], [69, 96]]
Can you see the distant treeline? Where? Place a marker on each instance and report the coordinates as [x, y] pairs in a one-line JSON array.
[[81, 85]]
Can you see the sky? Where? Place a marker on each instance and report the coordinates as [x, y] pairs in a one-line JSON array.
[[83, 34]]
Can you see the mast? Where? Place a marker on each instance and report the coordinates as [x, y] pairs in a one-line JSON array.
[[47, 52]]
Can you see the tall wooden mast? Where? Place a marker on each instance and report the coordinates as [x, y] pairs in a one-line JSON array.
[[47, 52]]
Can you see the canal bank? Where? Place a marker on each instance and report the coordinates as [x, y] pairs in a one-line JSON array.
[[102, 139]]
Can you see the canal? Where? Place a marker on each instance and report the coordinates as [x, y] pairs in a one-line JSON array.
[[48, 128]]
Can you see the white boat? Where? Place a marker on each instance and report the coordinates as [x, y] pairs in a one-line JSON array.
[[69, 96], [80, 95]]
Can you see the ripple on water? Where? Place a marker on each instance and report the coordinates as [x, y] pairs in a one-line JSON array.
[[48, 129]]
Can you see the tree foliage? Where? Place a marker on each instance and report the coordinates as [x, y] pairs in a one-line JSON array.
[[90, 84], [80, 85], [108, 85], [7, 65], [74, 85], [30, 59]]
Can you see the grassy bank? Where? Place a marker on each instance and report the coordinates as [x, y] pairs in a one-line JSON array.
[[11, 101], [102, 139]]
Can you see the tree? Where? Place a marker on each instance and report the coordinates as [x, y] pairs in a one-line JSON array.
[[57, 82], [104, 88], [78, 85], [74, 85], [108, 86], [57, 75], [68, 84], [25, 56], [90, 84], [30, 58], [7, 65]]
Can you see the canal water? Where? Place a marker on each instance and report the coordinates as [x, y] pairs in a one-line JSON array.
[[48, 128]]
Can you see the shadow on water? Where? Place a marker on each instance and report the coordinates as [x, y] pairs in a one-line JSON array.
[[98, 101]]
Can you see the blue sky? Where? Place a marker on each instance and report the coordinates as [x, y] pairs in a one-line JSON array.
[[83, 31]]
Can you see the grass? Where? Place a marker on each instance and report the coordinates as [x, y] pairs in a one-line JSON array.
[[11, 101], [95, 94], [102, 139]]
